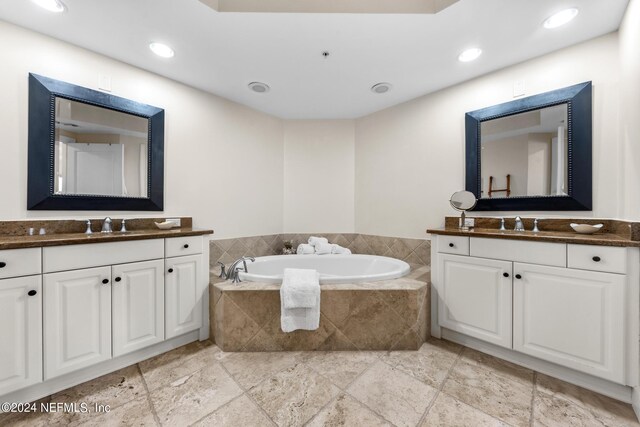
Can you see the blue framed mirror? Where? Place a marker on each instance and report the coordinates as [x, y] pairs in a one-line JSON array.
[[533, 153]]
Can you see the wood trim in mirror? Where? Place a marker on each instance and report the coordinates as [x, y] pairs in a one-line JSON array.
[[40, 192], [579, 104]]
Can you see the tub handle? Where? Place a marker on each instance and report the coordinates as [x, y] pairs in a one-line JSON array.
[[223, 273], [236, 276]]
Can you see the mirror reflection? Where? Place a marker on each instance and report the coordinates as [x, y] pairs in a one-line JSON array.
[[99, 151], [525, 155]]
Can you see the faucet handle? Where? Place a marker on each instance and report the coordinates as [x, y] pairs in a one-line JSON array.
[[535, 225], [222, 274], [123, 228], [502, 227], [89, 231]]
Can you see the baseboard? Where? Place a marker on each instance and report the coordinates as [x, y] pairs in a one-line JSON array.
[[54, 385], [599, 385]]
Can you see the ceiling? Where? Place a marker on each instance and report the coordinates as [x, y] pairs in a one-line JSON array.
[[222, 52]]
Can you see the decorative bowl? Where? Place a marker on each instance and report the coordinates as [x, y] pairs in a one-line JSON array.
[[586, 228], [165, 225]]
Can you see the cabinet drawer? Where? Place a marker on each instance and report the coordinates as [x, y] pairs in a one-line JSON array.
[[597, 258], [180, 246], [74, 257], [544, 253], [20, 262], [457, 245]]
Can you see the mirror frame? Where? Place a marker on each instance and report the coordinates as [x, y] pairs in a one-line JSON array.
[[42, 122], [579, 160]]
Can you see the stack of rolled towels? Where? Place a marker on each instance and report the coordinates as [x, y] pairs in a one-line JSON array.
[[321, 246]]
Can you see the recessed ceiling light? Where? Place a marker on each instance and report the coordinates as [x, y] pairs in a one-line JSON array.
[[259, 87], [51, 5], [559, 19], [381, 88], [470, 55], [161, 49]]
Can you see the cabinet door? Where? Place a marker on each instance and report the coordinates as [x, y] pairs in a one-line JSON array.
[[77, 320], [137, 305], [474, 297], [571, 317], [183, 295], [20, 333]]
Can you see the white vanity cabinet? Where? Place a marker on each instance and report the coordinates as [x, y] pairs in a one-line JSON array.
[[571, 317], [137, 305], [183, 290], [77, 320], [475, 297], [575, 306], [73, 312], [20, 332]]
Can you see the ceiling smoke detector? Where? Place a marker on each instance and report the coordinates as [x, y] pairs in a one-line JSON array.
[[381, 88], [259, 87], [51, 5]]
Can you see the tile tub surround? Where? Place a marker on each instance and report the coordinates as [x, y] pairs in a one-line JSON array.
[[385, 315], [441, 384], [413, 251]]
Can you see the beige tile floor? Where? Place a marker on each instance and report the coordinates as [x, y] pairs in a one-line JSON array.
[[442, 384]]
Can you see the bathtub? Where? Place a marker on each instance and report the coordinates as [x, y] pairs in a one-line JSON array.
[[332, 268]]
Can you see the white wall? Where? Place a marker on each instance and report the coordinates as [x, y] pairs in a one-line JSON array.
[[224, 162], [630, 88], [319, 176], [410, 158]]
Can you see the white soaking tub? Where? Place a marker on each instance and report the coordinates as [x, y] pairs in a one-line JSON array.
[[332, 268]]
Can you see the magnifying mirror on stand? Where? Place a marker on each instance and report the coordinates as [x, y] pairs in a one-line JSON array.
[[463, 201]]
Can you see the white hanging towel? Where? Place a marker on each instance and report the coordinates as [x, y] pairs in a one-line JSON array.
[[300, 300]]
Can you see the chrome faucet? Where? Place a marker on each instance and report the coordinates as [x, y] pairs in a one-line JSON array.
[[106, 226], [519, 225], [233, 269]]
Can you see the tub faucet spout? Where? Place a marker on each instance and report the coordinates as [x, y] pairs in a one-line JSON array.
[[232, 273]]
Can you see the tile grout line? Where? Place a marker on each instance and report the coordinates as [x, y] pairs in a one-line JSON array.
[[245, 391], [217, 409], [146, 387], [344, 390], [533, 398], [441, 386]]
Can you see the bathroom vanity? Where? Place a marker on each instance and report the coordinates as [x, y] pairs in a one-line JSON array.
[[555, 301], [74, 307]]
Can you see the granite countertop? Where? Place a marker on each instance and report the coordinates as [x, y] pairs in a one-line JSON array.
[[600, 239], [62, 239]]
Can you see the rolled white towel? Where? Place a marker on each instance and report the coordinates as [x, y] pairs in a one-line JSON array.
[[339, 250], [323, 248], [314, 241], [304, 249]]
